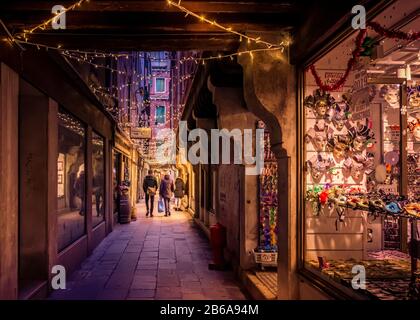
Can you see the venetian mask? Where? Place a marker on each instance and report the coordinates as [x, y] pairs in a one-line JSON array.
[[360, 136], [414, 96], [320, 103], [357, 171], [414, 127], [321, 108], [339, 145], [319, 166], [320, 141], [359, 143], [391, 94], [339, 151], [319, 135], [416, 132], [341, 113]]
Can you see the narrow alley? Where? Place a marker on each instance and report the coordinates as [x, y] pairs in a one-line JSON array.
[[151, 258]]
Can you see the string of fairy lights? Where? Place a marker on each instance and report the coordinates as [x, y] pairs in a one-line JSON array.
[[202, 18], [44, 25], [133, 78]]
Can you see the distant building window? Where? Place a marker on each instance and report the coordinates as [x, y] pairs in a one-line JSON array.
[[160, 84], [160, 114]]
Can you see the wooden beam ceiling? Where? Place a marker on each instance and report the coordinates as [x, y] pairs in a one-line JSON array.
[[153, 25], [150, 25]]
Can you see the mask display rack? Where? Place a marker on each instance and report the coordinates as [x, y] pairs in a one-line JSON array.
[[266, 253]]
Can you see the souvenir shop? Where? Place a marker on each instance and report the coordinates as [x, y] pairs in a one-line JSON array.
[[361, 160]]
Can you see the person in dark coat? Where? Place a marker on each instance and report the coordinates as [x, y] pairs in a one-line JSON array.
[[150, 187], [80, 190], [179, 193], [166, 189]]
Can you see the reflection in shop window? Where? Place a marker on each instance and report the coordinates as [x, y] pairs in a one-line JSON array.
[[70, 180], [98, 183], [362, 171]]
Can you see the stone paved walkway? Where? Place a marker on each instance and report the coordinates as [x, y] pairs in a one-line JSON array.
[[151, 258]]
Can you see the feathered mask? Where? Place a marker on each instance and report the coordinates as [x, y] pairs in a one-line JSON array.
[[320, 103]]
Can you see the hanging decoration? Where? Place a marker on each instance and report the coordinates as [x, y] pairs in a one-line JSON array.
[[363, 47], [43, 25], [393, 34], [217, 25], [340, 82]]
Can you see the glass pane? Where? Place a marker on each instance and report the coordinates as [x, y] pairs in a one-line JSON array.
[[70, 180], [160, 114], [361, 175], [98, 182], [413, 140], [160, 84]]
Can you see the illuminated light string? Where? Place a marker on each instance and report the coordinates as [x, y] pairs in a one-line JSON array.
[[227, 29], [44, 24], [59, 48], [83, 55], [136, 83], [96, 90]]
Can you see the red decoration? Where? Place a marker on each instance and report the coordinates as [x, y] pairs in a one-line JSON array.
[[394, 34], [323, 197], [340, 82]]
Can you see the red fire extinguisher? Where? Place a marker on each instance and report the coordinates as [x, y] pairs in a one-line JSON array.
[[218, 243]]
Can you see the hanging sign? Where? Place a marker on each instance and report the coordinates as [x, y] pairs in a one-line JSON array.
[[141, 133]]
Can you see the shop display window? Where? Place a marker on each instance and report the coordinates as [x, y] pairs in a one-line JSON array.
[[98, 179], [71, 181], [362, 168]]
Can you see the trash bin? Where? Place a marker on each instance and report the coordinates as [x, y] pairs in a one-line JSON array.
[[124, 206]]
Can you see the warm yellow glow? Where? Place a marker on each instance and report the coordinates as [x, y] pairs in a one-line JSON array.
[[44, 24], [227, 29]]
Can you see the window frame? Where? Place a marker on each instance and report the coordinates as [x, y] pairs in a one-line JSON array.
[[312, 276]]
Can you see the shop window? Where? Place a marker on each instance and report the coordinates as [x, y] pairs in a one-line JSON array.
[[98, 179], [160, 85], [362, 178], [160, 115], [71, 181]]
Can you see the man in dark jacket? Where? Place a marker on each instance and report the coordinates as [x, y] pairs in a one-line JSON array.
[[165, 191], [150, 187]]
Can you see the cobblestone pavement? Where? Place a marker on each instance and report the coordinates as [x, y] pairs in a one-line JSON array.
[[151, 258]]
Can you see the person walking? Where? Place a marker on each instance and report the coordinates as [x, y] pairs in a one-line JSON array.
[[166, 189], [179, 193], [150, 187], [80, 191]]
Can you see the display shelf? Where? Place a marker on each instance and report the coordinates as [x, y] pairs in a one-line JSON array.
[[266, 252]]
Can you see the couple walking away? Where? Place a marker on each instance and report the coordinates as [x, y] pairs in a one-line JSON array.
[[166, 190]]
